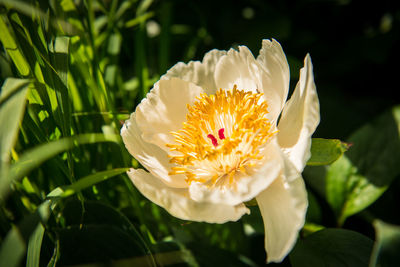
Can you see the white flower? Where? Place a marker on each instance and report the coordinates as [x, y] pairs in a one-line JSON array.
[[217, 133]]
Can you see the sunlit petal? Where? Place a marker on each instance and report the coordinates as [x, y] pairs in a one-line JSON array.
[[283, 207], [238, 68], [178, 204], [200, 73], [300, 118], [275, 78], [149, 155], [164, 110]]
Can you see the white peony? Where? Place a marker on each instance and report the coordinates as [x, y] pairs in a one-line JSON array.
[[217, 133]]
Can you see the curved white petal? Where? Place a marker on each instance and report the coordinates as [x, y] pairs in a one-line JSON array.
[[276, 77], [150, 156], [300, 118], [199, 73], [164, 110], [177, 202], [238, 68], [245, 187], [283, 207]]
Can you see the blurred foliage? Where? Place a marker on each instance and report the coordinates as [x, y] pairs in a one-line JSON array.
[[72, 71]]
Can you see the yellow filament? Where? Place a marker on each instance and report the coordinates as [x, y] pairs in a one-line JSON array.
[[242, 115]]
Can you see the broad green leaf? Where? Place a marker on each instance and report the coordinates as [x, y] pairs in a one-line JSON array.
[[326, 151], [11, 46], [12, 105], [387, 245], [36, 156], [363, 174], [332, 247]]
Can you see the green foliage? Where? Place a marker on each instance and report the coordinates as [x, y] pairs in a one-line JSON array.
[[332, 247], [387, 245], [12, 104], [72, 71], [35, 246], [326, 151], [356, 180]]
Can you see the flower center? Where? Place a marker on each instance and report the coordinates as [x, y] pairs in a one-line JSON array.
[[223, 134]]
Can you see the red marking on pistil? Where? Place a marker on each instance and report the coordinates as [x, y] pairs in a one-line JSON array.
[[221, 133], [213, 139]]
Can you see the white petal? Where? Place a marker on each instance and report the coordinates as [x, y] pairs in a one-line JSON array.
[[283, 207], [164, 110], [150, 156], [177, 202], [300, 118], [199, 73], [238, 68], [276, 77], [247, 186]]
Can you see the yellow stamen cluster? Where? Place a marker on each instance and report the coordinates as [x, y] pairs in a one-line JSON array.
[[240, 116]]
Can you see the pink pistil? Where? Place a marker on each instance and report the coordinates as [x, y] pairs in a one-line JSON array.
[[213, 139], [221, 133]]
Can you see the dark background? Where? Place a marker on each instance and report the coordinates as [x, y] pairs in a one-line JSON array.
[[353, 46]]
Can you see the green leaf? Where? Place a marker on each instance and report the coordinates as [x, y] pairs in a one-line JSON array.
[[59, 50], [332, 247], [12, 105], [139, 19], [387, 245], [34, 247], [326, 151], [12, 249], [14, 245], [36, 156], [85, 182], [361, 176], [12, 48]]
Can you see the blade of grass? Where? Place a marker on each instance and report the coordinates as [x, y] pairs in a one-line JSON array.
[[83, 183], [59, 51], [10, 45], [140, 63], [142, 71], [139, 19], [33, 11], [34, 247], [12, 105], [13, 247], [35, 241], [36, 156]]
